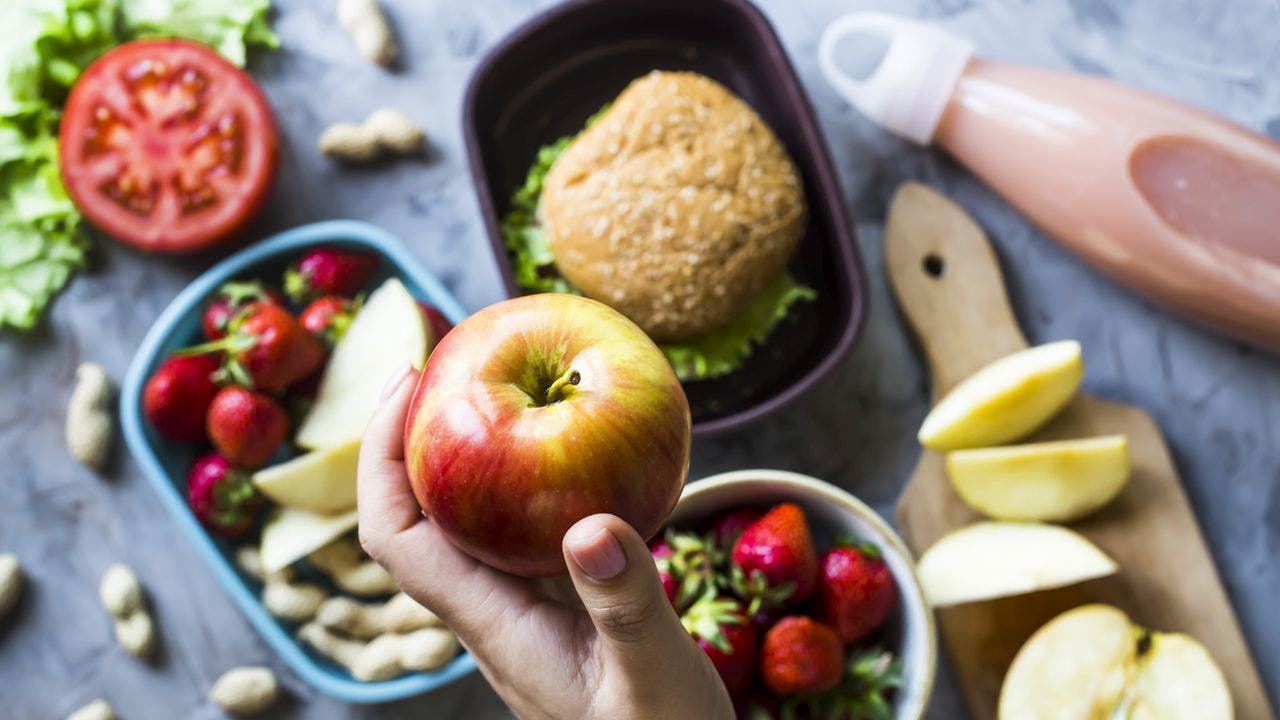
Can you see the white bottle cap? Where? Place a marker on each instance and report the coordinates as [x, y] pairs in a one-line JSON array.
[[907, 92]]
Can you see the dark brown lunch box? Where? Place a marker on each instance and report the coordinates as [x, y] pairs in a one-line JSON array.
[[546, 78]]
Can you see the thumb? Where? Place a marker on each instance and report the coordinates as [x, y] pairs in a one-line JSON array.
[[618, 583]]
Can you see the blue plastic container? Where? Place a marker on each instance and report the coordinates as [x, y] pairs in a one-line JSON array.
[[165, 463]]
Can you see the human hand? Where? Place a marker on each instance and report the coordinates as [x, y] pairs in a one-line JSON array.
[[618, 654]]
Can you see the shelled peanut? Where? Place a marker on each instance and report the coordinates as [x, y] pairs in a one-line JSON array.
[[245, 691], [282, 595], [385, 656], [121, 595]]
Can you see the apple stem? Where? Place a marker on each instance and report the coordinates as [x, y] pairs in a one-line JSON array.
[[559, 389]]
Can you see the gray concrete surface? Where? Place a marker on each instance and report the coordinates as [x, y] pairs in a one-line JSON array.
[[1217, 401]]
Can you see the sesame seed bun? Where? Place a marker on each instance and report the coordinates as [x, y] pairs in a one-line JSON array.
[[677, 207]]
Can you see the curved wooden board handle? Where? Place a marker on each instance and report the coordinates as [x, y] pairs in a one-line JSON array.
[[947, 281]]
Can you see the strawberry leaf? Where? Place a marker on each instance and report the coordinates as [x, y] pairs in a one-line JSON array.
[[756, 591], [343, 320], [694, 564], [241, 292], [865, 548], [234, 490], [296, 285], [706, 618]]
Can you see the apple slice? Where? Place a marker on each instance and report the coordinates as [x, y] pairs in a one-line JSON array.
[[291, 534], [1006, 399], [387, 333], [993, 559], [1177, 678], [321, 481], [1051, 481], [1092, 662], [1076, 666]]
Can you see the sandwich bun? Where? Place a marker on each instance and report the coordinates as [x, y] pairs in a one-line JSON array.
[[677, 207]]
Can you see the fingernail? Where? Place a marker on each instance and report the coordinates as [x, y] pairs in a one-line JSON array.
[[394, 381], [599, 555]]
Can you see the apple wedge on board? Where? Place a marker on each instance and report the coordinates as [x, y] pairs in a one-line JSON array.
[[387, 333], [995, 559], [1092, 662], [1056, 481], [1006, 399]]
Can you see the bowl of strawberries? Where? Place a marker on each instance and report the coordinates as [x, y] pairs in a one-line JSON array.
[[804, 599]]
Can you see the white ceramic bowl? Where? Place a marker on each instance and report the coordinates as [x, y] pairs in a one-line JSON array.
[[831, 512]]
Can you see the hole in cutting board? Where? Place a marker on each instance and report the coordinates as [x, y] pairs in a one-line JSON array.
[[933, 265]]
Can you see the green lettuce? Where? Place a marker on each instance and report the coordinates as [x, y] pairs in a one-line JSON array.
[[702, 358], [44, 46], [229, 26], [532, 262], [723, 350], [41, 243]]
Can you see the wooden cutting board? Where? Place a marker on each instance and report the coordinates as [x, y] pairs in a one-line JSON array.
[[948, 285]]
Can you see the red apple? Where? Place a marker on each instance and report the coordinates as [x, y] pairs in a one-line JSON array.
[[537, 412]]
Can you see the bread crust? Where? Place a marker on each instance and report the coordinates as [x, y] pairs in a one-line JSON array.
[[677, 207]]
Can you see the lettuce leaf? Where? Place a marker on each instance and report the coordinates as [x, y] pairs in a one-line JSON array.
[[532, 262], [702, 358], [41, 244], [44, 46], [724, 349], [71, 34], [229, 26]]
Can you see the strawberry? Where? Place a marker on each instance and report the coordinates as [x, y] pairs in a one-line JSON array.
[[801, 655], [661, 552], [436, 321], [222, 498], [774, 559], [178, 394], [329, 317], [727, 527], [230, 299], [865, 693], [329, 271], [267, 348], [856, 591], [274, 349], [719, 626], [245, 426]]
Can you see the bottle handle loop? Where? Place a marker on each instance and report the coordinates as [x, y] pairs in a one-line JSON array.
[[907, 92]]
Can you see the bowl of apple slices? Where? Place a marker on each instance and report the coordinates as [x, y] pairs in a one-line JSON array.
[[244, 406]]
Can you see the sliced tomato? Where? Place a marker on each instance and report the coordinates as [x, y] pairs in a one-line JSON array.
[[167, 146]]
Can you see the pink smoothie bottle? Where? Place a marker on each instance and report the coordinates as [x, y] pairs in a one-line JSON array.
[[1175, 203]]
